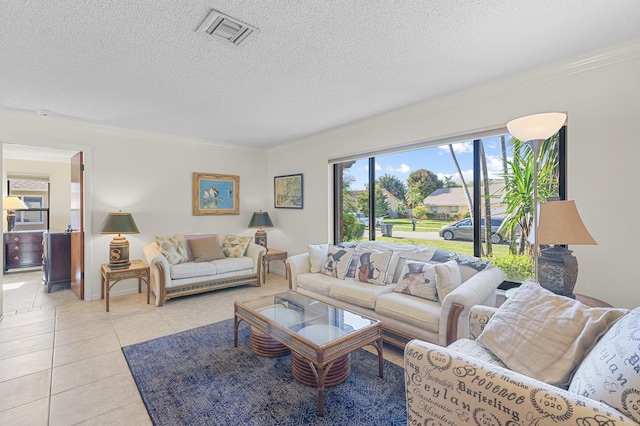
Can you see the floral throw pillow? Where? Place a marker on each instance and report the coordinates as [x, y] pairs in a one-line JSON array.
[[235, 246], [418, 279], [173, 248], [373, 266], [336, 263]]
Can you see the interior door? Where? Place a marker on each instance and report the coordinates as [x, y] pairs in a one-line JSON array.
[[77, 225]]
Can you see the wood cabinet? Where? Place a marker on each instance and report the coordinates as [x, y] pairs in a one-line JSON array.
[[22, 249], [56, 259]]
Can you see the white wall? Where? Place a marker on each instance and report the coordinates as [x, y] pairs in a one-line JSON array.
[[59, 173], [600, 93], [149, 175]]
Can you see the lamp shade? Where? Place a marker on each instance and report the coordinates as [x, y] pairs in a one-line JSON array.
[[536, 126], [260, 220], [560, 223], [119, 223], [13, 203]]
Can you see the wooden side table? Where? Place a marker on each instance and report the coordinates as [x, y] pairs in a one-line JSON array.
[[110, 277], [273, 254]]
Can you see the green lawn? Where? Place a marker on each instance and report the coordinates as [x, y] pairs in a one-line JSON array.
[[463, 247], [421, 225]]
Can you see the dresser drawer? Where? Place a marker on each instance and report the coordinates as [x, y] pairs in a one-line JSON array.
[[26, 258], [22, 249]]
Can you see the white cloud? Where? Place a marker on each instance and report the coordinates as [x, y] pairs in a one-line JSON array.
[[459, 148]]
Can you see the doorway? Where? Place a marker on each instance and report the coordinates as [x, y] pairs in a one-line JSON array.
[[56, 165]]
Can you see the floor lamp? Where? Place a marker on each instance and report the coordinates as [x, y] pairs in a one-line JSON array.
[[533, 130]]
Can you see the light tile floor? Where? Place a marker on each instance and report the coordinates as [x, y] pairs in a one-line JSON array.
[[60, 358]]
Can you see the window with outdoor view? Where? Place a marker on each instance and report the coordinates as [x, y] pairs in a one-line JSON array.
[[472, 196]]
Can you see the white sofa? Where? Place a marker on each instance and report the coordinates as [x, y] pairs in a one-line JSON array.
[[189, 277], [404, 317], [587, 375]]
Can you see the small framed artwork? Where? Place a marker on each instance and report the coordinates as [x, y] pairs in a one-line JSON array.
[[215, 194], [288, 191]]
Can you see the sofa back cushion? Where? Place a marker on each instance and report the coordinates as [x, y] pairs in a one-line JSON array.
[[317, 255], [544, 335], [448, 278], [611, 371]]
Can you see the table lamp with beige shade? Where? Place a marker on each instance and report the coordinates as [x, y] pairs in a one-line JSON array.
[[11, 204]]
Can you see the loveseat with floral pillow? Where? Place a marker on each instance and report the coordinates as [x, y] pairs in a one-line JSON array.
[[184, 264]]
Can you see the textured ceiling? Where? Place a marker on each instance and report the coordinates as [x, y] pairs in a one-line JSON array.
[[314, 64]]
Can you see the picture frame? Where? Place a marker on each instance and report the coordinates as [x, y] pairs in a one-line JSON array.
[[288, 191], [215, 194]]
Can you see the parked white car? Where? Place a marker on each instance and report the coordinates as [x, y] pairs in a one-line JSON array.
[[360, 217]]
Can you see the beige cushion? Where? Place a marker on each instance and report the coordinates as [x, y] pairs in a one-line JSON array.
[[611, 371], [418, 279], [317, 283], [543, 335], [206, 249], [336, 262], [235, 246], [189, 237], [415, 311], [317, 254], [174, 248], [358, 293], [192, 270], [233, 264], [448, 278], [373, 266]]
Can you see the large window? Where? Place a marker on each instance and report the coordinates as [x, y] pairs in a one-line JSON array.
[[445, 195]]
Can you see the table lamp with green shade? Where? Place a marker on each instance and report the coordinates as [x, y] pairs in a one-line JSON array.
[[119, 223], [261, 220]]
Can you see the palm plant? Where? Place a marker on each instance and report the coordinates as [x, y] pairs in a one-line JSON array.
[[519, 187]]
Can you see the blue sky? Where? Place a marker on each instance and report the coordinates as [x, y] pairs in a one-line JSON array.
[[436, 159]]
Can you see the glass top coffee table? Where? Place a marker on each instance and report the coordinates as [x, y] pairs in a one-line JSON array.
[[320, 336]]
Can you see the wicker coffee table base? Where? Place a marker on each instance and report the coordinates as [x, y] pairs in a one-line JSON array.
[[263, 345], [338, 373]]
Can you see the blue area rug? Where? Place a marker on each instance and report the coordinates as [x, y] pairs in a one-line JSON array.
[[197, 377]]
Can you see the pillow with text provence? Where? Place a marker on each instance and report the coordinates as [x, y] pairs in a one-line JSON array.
[[336, 262], [611, 371], [543, 335], [235, 246], [418, 279]]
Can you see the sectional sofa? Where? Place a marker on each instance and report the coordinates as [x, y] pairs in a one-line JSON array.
[[416, 291]]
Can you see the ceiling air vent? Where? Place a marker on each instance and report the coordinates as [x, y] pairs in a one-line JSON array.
[[225, 28]]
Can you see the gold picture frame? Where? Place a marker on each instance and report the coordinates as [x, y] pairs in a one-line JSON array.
[[215, 194]]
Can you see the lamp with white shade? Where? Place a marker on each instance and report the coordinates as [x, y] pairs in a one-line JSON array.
[[11, 204], [560, 224], [535, 129]]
